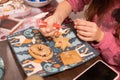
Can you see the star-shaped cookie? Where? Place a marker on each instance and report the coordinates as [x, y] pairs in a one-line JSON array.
[[62, 42]]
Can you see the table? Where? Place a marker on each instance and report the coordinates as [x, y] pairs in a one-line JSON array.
[[13, 71]]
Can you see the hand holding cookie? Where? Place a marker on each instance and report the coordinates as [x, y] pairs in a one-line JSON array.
[[48, 28]]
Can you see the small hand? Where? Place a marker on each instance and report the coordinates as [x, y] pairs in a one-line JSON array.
[[88, 31], [48, 31], [51, 27]]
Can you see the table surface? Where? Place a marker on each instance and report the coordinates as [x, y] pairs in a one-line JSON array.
[[13, 71]]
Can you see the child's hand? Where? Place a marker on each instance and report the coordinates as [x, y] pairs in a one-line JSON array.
[[88, 31], [52, 26]]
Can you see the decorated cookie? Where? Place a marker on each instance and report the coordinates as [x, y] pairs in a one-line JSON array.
[[70, 57], [62, 42], [40, 51], [14, 8]]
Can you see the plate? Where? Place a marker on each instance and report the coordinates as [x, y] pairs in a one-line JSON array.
[[23, 40]]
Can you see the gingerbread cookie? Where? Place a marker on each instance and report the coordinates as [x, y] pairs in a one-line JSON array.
[[40, 51], [70, 57], [62, 42]]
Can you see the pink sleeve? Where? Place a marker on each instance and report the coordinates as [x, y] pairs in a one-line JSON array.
[[78, 5], [110, 49]]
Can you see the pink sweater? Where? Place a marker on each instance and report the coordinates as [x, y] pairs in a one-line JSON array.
[[108, 47]]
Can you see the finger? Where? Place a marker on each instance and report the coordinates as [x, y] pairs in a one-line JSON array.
[[43, 30], [50, 29], [84, 38], [87, 34], [80, 22], [84, 28], [50, 34]]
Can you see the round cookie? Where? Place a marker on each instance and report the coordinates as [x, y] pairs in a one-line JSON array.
[[40, 51]]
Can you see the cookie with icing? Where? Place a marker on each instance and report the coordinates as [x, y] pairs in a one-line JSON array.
[[40, 51], [62, 42], [70, 57]]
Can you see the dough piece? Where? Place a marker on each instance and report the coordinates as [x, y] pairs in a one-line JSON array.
[[40, 51], [70, 57], [62, 42]]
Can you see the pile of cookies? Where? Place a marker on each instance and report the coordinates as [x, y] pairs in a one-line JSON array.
[[15, 8]]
